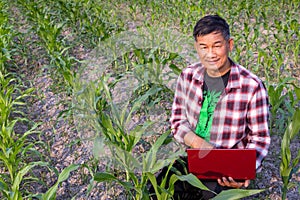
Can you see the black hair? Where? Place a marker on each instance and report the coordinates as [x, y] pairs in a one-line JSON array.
[[210, 24]]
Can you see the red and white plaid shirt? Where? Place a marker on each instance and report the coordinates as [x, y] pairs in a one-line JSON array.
[[240, 118]]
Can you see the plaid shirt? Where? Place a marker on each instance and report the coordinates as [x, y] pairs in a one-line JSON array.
[[240, 119]]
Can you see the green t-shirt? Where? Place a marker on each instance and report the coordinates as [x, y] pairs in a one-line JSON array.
[[212, 90]]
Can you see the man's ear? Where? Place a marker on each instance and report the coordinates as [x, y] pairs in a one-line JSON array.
[[231, 44], [196, 46]]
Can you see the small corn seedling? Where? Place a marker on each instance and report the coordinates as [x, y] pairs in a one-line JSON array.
[[288, 166]]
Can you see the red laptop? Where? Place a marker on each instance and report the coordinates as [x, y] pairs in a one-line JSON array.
[[240, 164]]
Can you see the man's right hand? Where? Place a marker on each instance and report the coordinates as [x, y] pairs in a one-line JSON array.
[[194, 141]]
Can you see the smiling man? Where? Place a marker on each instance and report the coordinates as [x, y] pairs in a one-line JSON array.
[[219, 104]]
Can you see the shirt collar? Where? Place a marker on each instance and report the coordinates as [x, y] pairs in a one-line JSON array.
[[234, 77], [199, 72]]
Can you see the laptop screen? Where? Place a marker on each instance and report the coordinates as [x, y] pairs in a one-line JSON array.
[[240, 164]]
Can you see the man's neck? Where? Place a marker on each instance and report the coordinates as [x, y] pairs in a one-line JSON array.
[[220, 72]]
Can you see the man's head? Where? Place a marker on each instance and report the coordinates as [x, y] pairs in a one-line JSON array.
[[210, 24], [213, 44]]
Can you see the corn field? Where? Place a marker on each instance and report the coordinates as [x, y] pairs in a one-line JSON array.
[[86, 88]]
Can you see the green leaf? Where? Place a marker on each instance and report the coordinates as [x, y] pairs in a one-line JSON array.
[[126, 159], [107, 177], [297, 91], [138, 102], [296, 162], [22, 172], [193, 180], [291, 131], [294, 126], [136, 134], [104, 176], [153, 181], [3, 185], [50, 194], [234, 194], [175, 69], [150, 159]]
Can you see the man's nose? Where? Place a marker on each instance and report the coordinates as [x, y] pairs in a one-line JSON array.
[[211, 52]]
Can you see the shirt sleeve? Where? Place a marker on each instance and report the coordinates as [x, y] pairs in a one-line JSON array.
[[257, 117], [179, 123]]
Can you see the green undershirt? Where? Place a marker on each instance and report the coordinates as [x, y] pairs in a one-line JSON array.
[[212, 90]]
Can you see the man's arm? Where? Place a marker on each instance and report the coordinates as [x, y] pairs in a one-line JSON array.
[[194, 141], [180, 125], [259, 138], [257, 117]]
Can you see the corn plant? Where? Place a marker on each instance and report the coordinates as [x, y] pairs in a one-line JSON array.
[[13, 147], [288, 166], [283, 97], [50, 34], [90, 20], [163, 193], [50, 194], [5, 37], [150, 165], [153, 69], [112, 122]]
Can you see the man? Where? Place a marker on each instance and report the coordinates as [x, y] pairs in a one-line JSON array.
[[218, 103]]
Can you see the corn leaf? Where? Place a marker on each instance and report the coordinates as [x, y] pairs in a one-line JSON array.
[[193, 180], [153, 181], [22, 172], [294, 126], [107, 177], [50, 194], [234, 194]]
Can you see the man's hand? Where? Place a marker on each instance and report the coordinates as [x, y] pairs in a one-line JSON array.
[[194, 141], [232, 183]]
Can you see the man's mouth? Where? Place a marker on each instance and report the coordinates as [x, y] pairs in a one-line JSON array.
[[212, 61]]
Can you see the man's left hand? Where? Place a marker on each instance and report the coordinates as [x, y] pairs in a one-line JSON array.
[[229, 182]]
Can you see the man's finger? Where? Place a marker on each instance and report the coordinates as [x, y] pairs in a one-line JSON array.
[[247, 182], [220, 182]]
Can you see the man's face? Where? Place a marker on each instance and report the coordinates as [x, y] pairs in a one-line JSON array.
[[213, 51]]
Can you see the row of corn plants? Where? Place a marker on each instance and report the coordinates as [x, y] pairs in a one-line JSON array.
[[90, 21], [14, 148], [50, 34], [18, 151], [289, 163], [284, 100]]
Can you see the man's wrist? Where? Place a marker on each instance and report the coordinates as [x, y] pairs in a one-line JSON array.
[[189, 138], [192, 140], [197, 142]]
